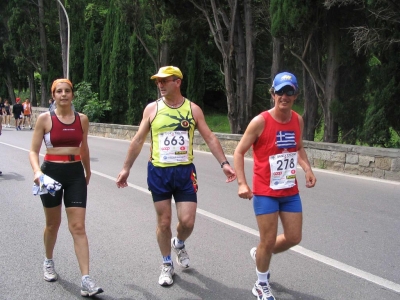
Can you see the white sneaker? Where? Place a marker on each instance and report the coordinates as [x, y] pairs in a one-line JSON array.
[[262, 291], [89, 288], [49, 272], [182, 257], [167, 271]]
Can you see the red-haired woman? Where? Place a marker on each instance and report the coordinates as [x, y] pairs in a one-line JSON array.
[[66, 161]]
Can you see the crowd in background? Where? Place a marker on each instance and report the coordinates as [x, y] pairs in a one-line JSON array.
[[20, 112]]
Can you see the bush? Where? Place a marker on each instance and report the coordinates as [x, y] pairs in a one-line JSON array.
[[88, 102]]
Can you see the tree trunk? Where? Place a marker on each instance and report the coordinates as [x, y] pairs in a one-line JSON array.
[[236, 47], [10, 86], [332, 78], [164, 55], [43, 64], [230, 94], [32, 88], [240, 80], [277, 60], [64, 40], [310, 114], [250, 61]]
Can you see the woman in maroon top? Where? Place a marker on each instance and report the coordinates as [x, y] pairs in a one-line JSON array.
[[66, 161]]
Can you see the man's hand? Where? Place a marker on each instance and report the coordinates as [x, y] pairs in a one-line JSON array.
[[121, 179], [229, 172]]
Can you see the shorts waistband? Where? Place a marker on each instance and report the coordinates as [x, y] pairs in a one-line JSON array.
[[52, 157]]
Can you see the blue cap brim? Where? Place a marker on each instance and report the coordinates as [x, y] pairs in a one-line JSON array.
[[282, 85]]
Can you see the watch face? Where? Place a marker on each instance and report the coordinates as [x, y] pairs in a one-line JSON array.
[[224, 163]]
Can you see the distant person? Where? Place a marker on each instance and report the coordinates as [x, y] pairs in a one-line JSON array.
[[2, 111], [51, 104], [67, 161], [17, 110], [276, 138], [172, 120], [7, 114], [27, 113]]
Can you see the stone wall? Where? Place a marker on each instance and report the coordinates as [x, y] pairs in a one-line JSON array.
[[358, 160]]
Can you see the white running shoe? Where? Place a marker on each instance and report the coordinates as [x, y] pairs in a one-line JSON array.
[[49, 272], [253, 253], [182, 257], [89, 288], [262, 291], [167, 271]]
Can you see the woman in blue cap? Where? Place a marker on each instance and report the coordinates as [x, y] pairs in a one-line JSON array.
[[276, 138]]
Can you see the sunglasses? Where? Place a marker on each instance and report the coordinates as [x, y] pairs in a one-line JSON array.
[[288, 92], [163, 81]]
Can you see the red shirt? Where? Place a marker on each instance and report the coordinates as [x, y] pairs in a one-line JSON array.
[[64, 135], [265, 146]]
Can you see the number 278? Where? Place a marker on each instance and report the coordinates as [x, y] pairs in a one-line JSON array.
[[284, 163]]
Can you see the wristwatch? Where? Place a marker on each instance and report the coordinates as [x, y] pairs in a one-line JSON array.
[[224, 163]]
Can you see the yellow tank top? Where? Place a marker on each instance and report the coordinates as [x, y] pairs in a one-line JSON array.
[[172, 132]]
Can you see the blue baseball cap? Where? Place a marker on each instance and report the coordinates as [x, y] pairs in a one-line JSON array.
[[284, 79]]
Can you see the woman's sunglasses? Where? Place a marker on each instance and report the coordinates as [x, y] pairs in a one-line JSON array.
[[288, 92]]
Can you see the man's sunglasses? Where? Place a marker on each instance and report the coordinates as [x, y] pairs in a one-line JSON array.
[[288, 92]]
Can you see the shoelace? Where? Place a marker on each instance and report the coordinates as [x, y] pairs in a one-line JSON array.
[[181, 251], [89, 283], [165, 269], [50, 269], [266, 290]]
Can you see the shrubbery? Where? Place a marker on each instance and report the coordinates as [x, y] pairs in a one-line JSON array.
[[88, 102]]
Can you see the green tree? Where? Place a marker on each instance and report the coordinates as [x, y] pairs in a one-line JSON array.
[[195, 75], [90, 72], [106, 49], [119, 71]]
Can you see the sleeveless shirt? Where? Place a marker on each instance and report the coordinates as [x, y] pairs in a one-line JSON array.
[[270, 143], [27, 108], [172, 131], [64, 135]]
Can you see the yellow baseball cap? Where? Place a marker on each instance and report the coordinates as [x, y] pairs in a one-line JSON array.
[[168, 71]]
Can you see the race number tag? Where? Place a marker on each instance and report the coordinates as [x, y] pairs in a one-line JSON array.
[[173, 146], [283, 170]]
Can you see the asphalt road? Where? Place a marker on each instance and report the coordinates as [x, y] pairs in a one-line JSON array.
[[350, 247]]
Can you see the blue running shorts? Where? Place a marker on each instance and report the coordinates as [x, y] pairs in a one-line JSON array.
[[177, 181], [267, 205]]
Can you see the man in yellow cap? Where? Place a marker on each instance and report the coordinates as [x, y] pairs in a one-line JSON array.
[[172, 120]]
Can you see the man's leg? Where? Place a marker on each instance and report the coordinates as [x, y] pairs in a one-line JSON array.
[[186, 212], [292, 231], [164, 234], [164, 215]]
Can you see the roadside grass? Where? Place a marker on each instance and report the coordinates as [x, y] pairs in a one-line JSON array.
[[218, 122]]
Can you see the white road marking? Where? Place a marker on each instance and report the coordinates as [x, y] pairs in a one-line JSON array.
[[298, 249]]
